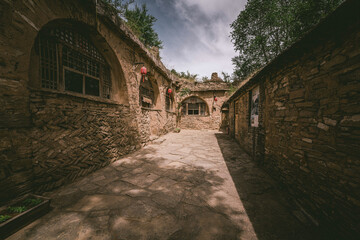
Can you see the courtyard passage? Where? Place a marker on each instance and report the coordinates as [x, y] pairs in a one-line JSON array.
[[188, 185]]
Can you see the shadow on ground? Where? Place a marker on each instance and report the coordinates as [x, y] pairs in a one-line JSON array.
[[164, 191], [267, 205]]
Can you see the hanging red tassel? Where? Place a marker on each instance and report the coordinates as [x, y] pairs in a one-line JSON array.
[[169, 91], [143, 73]]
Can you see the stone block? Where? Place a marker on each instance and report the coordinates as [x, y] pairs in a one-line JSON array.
[[333, 166], [307, 140], [329, 121], [297, 94], [305, 113], [323, 126], [5, 143], [350, 121]]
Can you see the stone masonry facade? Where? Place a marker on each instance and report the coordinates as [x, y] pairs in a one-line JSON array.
[[309, 118], [213, 93], [49, 137]]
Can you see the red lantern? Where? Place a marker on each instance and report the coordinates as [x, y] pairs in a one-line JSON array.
[[215, 99], [143, 73], [169, 92]]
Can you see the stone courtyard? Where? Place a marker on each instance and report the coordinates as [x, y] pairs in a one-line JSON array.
[[179, 187]]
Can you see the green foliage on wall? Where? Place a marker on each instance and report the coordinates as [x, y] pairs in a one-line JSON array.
[[142, 24], [138, 19], [186, 75]]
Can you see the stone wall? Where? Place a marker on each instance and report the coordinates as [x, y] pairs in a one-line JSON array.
[[308, 135], [205, 91], [210, 121], [51, 137]]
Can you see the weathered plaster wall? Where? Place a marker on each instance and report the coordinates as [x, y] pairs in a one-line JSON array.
[[308, 135], [49, 137]]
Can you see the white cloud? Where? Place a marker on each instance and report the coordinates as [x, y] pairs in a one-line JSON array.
[[195, 34]]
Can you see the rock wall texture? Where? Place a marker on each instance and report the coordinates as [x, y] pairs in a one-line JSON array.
[[309, 118], [49, 137]]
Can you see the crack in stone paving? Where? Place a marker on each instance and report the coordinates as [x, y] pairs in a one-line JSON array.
[[173, 189]]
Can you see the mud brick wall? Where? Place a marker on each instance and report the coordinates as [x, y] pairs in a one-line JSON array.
[[309, 123]]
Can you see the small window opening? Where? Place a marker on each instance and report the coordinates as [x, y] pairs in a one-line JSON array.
[[146, 94]]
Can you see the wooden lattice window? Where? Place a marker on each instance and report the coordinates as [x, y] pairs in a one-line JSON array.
[[70, 62], [146, 94], [194, 106], [48, 63]]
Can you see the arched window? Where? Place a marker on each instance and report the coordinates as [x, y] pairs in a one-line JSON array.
[[146, 94], [70, 62], [169, 100], [194, 106]]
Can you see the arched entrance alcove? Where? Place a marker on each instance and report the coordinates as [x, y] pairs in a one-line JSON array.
[[71, 56], [194, 106]]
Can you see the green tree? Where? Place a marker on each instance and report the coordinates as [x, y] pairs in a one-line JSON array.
[[186, 75], [119, 6], [142, 24], [266, 27]]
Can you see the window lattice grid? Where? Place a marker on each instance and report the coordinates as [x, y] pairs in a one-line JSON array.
[[48, 64], [75, 60], [78, 41], [65, 35], [146, 94], [65, 48]]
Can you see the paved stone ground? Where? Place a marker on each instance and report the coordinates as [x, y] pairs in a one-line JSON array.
[[177, 188]]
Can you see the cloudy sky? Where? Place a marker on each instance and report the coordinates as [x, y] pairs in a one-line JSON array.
[[195, 33]]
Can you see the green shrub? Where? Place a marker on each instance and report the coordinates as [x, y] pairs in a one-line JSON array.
[[3, 218], [19, 209], [31, 202]]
